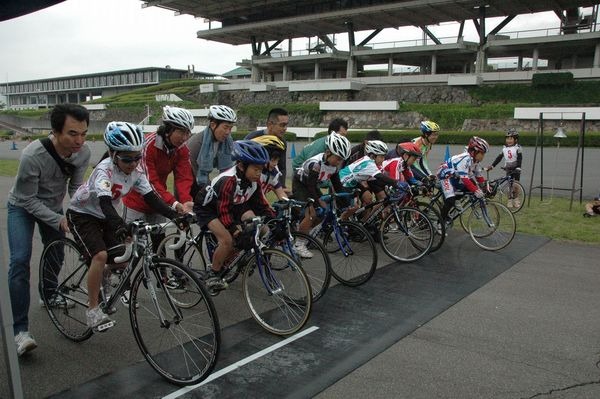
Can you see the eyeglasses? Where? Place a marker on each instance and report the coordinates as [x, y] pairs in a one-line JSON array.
[[123, 159]]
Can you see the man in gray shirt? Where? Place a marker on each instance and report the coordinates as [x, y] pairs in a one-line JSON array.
[[37, 197]]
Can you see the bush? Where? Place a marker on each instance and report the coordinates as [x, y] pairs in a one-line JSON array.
[[260, 111], [452, 116], [459, 137], [577, 93], [289, 136], [552, 79]]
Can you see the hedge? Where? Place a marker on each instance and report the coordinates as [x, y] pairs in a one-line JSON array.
[[462, 137], [552, 79]]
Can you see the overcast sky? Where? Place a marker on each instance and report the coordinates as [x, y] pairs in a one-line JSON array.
[[88, 36]]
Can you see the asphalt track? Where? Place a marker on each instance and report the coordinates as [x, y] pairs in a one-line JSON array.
[[370, 339], [348, 327]]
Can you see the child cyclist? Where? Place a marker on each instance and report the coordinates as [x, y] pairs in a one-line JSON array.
[[430, 132], [231, 198], [366, 173], [460, 171], [314, 172], [513, 157], [400, 168], [92, 217], [270, 176]]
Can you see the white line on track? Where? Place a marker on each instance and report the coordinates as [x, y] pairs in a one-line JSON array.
[[241, 363]]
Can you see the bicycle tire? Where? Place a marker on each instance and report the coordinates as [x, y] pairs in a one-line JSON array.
[[317, 268], [63, 272], [518, 196], [278, 293], [190, 254], [184, 347], [354, 261], [406, 234], [492, 227], [439, 227]]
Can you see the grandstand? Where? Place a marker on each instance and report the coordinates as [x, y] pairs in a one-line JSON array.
[[574, 45], [80, 88]]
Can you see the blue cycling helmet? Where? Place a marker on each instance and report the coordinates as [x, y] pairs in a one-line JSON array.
[[248, 151], [124, 136]]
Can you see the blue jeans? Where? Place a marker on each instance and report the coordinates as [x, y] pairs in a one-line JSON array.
[[20, 225]]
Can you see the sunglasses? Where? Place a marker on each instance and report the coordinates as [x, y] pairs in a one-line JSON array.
[[123, 159]]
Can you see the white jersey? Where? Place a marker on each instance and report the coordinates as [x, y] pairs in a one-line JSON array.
[[510, 154], [270, 180], [107, 180], [318, 165], [358, 171], [462, 165]]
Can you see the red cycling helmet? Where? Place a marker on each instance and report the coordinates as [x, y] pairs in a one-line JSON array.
[[410, 148], [478, 144]]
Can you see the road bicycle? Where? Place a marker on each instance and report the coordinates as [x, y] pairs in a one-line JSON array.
[[350, 246], [507, 191], [276, 289], [491, 225], [283, 235], [405, 233], [177, 331]]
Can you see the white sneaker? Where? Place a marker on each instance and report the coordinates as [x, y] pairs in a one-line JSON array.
[[98, 320], [301, 250], [516, 203], [510, 203], [25, 343]]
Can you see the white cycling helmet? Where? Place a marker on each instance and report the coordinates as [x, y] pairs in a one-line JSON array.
[[123, 136], [338, 145], [222, 113], [376, 147], [179, 117]]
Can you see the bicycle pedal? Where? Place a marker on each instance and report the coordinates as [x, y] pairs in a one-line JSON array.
[[103, 327]]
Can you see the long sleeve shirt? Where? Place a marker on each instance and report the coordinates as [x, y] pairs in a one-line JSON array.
[[40, 186]]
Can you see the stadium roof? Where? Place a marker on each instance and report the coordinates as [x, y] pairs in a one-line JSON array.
[[265, 20]]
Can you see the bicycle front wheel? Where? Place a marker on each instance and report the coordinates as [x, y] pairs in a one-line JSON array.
[[180, 342], [406, 235], [355, 260], [491, 225], [63, 283], [277, 292], [317, 268]]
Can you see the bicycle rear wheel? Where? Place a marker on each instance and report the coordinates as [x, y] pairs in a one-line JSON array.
[[406, 234], [190, 254], [354, 261], [63, 282], [277, 292], [439, 227], [492, 226], [180, 342], [317, 268], [512, 195]]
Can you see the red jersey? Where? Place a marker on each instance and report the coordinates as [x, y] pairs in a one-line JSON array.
[[158, 162]]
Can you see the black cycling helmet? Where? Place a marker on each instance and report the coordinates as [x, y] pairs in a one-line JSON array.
[[512, 132]]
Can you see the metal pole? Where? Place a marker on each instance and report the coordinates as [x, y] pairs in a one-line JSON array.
[[542, 160], [537, 137], [579, 143], [6, 319], [582, 142]]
